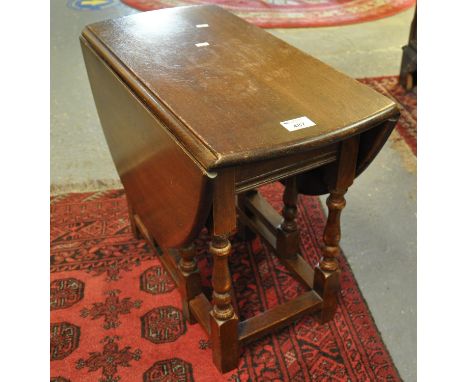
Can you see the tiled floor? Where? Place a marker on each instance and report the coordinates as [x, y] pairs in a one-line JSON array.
[[379, 223]]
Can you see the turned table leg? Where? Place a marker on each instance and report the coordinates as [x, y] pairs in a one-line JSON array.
[[327, 273], [190, 282], [224, 321], [287, 244]]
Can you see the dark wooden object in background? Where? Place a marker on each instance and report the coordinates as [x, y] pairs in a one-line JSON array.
[[194, 129], [408, 70]]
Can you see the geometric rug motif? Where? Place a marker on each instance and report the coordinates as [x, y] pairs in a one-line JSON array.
[[117, 317], [292, 13]]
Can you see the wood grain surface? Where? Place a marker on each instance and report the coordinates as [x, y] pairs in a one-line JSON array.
[[229, 97]]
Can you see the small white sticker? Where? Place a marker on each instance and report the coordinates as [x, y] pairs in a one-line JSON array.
[[297, 123], [202, 25], [200, 44]]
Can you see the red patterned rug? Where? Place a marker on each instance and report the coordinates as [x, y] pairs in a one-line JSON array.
[[293, 13], [407, 103], [116, 315]]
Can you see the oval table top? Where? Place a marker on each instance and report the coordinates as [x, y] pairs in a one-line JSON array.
[[226, 86]]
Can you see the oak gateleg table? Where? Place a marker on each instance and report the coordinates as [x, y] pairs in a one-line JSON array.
[[199, 108]]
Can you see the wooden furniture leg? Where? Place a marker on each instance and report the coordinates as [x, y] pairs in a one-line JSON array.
[[224, 321], [287, 244], [327, 273], [190, 280], [133, 225]]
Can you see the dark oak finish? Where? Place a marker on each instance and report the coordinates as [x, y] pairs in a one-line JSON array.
[[327, 273], [278, 317], [269, 81], [201, 309], [287, 237], [148, 159], [190, 280], [258, 173], [223, 319], [193, 130], [133, 224]]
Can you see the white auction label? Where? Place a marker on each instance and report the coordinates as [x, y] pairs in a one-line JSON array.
[[202, 25], [297, 123], [200, 44]]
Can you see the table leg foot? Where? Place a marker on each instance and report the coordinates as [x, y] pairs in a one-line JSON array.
[[225, 342], [327, 285]]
